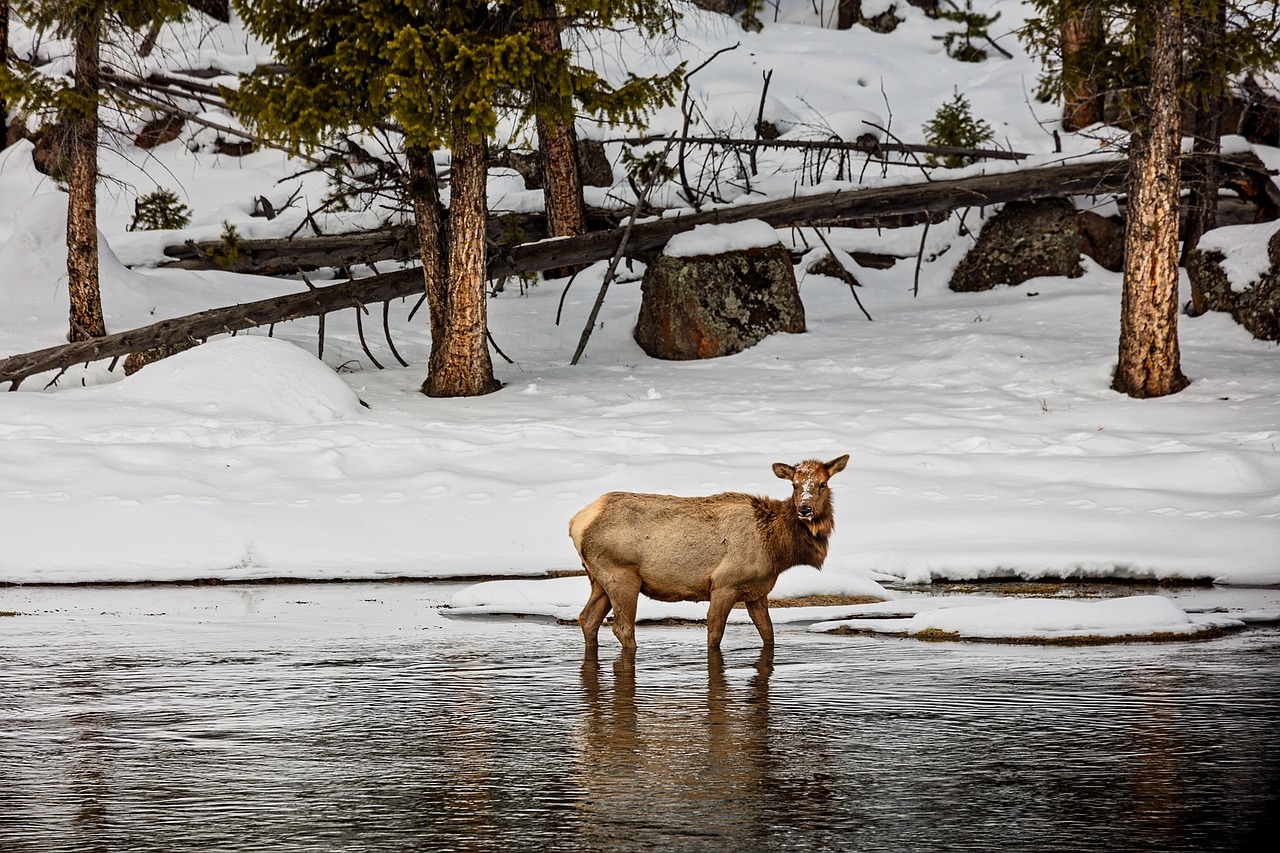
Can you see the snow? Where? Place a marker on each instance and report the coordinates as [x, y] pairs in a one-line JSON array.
[[1045, 618], [715, 239], [984, 438], [1244, 250]]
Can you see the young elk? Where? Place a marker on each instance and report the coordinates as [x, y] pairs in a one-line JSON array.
[[721, 548]]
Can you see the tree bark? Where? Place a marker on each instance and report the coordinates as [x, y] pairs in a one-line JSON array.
[[1081, 39], [562, 182], [429, 220], [1149, 361], [460, 363], [82, 180]]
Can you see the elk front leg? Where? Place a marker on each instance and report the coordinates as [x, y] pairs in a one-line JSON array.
[[624, 600], [758, 610]]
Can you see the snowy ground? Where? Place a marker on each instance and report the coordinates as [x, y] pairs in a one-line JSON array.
[[984, 439]]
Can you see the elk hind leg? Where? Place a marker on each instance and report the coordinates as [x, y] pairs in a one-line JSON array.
[[592, 615], [758, 610]]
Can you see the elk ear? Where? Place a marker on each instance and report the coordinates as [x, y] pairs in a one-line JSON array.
[[835, 466], [784, 472]]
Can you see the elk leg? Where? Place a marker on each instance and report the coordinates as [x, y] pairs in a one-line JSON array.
[[722, 601], [624, 614], [593, 613], [758, 610]]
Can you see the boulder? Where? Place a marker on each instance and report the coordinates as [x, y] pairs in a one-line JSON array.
[[712, 305], [1024, 240], [1254, 304]]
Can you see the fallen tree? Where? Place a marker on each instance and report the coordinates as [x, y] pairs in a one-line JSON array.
[[933, 197]]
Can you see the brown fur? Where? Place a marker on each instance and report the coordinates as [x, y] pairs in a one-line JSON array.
[[721, 548]]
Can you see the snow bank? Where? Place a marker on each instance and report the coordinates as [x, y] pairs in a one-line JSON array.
[[1047, 619]]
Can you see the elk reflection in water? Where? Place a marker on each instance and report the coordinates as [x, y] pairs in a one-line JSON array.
[[651, 760]]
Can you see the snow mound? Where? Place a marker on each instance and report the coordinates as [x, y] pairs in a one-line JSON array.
[[248, 377], [1046, 619]]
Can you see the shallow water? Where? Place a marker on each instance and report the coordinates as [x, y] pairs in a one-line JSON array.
[[356, 717]]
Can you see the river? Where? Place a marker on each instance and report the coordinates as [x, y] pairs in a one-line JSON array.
[[359, 717]]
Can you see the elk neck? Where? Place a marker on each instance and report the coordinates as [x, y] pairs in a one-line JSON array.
[[789, 540]]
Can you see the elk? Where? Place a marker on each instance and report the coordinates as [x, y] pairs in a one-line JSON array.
[[721, 548]]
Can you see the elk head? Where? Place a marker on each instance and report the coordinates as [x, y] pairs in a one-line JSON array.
[[809, 493]]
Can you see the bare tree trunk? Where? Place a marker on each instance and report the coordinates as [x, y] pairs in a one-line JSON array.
[[1203, 175], [4, 62], [82, 180], [428, 214], [1081, 40], [1149, 361], [562, 183], [460, 363]]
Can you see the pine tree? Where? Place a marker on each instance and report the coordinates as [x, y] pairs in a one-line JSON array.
[[1149, 362], [440, 72], [1153, 54], [86, 24]]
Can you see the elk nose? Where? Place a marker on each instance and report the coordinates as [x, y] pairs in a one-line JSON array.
[[805, 511]]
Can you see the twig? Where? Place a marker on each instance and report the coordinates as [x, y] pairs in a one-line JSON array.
[[613, 262], [386, 331], [915, 288], [497, 348], [360, 310], [852, 278]]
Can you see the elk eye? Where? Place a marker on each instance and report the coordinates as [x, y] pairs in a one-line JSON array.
[[822, 485]]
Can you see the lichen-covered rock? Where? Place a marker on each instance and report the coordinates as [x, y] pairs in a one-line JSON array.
[[1255, 304], [713, 305], [1025, 240]]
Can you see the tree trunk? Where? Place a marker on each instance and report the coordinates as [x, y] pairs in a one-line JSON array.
[[82, 180], [1081, 40], [428, 215], [1149, 362], [4, 62], [460, 363], [562, 183], [1203, 176]]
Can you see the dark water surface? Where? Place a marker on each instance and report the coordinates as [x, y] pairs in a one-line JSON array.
[[357, 718]]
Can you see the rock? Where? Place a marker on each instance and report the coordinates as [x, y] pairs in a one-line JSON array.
[[158, 131], [849, 12], [1026, 239], [1102, 238], [1256, 306], [593, 166], [714, 305]]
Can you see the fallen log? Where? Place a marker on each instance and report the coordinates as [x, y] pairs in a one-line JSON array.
[[934, 197], [860, 208]]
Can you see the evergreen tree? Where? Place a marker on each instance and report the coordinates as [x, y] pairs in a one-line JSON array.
[[85, 24], [1149, 362], [441, 73]]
